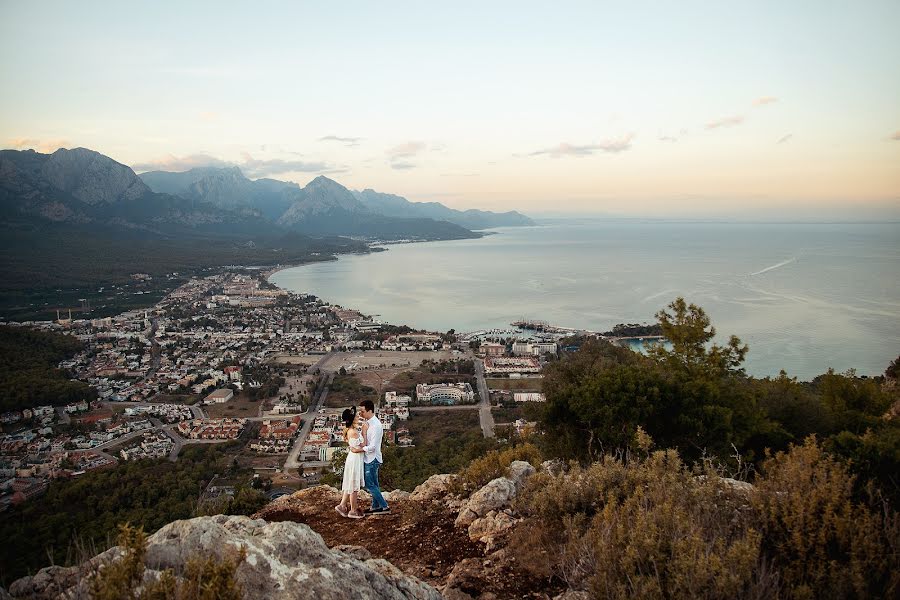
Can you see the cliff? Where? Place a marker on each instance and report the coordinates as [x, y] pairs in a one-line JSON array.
[[434, 544]]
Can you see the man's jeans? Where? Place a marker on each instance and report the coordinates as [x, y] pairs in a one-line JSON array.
[[370, 473]]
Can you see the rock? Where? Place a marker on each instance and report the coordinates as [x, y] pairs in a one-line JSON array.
[[519, 471], [285, 561], [466, 577], [396, 495], [492, 524], [737, 485], [573, 595], [495, 495], [553, 467], [357, 552], [4, 595], [434, 488]]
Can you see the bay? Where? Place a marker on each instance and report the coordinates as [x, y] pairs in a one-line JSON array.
[[805, 297]]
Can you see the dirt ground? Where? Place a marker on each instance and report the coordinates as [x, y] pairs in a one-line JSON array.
[[297, 359], [239, 406], [420, 539], [529, 384], [383, 359]]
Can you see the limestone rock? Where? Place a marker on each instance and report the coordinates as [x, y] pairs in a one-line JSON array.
[[396, 495], [573, 595], [519, 471], [285, 561], [489, 526], [435, 487], [357, 552], [495, 495]]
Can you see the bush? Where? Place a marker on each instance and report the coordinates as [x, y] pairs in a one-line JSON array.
[[651, 527], [646, 529], [495, 464], [204, 577], [823, 544]]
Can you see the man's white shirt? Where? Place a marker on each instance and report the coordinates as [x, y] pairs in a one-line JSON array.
[[373, 441]]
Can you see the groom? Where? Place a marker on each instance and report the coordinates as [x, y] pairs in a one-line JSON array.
[[372, 459]]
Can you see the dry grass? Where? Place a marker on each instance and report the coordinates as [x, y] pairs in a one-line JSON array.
[[529, 384], [239, 406], [431, 426]]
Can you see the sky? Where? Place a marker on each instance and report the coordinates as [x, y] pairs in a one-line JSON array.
[[652, 109]]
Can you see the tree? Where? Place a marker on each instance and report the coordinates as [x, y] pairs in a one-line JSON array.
[[688, 329]]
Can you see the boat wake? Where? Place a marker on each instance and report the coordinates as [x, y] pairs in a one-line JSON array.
[[775, 266]]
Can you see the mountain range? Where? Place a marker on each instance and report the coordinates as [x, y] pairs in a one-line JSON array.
[[323, 203], [76, 219]]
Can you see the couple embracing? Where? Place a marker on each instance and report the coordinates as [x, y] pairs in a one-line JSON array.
[[363, 461]]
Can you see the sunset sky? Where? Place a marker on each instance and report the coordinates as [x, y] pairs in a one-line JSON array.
[[772, 109]]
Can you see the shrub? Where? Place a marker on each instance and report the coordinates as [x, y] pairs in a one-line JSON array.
[[653, 528], [495, 464], [646, 528], [204, 577], [824, 544]]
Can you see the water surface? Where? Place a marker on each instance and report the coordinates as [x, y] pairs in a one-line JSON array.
[[805, 297]]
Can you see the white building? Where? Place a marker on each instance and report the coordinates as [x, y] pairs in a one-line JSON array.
[[445, 393]]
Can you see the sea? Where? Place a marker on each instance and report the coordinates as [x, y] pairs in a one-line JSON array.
[[805, 297]]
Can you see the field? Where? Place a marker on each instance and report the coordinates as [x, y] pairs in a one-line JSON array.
[[434, 425], [348, 390], [296, 359], [528, 384], [239, 406], [383, 359]]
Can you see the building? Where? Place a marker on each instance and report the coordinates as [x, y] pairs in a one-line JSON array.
[[529, 397], [493, 349], [521, 348], [219, 396], [501, 365], [445, 393]]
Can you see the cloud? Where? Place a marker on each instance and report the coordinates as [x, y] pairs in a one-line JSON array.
[[785, 138], [566, 149], [763, 100], [171, 162], [45, 146], [402, 165], [725, 122], [251, 167], [348, 141], [896, 135], [673, 138], [406, 150]]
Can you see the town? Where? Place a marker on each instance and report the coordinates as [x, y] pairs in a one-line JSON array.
[[230, 357]]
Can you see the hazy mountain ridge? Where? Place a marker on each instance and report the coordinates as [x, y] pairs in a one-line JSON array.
[[322, 207], [289, 204], [394, 206]]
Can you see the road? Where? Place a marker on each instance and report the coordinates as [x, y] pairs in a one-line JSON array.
[[442, 407], [292, 461], [484, 407]]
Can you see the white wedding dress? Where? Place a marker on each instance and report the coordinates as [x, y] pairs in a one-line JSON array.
[[353, 468]]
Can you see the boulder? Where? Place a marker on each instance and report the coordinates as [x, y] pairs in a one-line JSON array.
[[435, 487], [497, 494], [285, 561], [396, 495], [491, 525], [519, 471]]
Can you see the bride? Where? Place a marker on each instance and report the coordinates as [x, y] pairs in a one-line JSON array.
[[353, 466]]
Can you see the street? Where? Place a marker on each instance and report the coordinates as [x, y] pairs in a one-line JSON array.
[[484, 407]]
